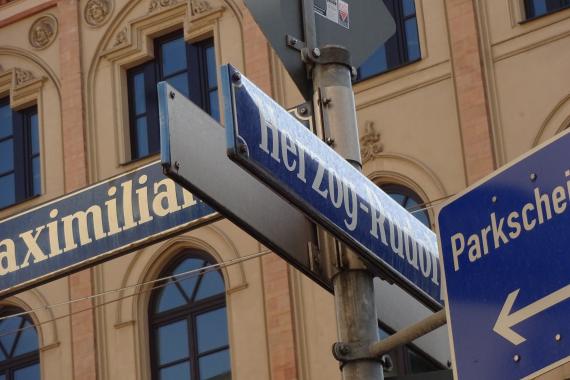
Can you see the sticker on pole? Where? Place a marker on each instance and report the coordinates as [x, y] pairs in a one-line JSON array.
[[334, 10]]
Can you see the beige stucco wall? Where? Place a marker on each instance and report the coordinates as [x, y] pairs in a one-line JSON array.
[[529, 65], [414, 109], [41, 87]]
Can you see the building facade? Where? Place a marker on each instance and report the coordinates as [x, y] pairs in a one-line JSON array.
[[464, 87]]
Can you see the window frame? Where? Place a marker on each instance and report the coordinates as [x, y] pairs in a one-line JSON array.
[[9, 366], [23, 153], [197, 77], [530, 12], [396, 47], [410, 194], [401, 358], [186, 312]]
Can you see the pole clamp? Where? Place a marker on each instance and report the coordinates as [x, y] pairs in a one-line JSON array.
[[351, 352], [326, 55]]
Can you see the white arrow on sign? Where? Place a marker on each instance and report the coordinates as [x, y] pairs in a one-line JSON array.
[[506, 320]]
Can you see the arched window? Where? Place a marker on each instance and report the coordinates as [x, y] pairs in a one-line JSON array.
[[19, 357], [409, 200], [188, 323]]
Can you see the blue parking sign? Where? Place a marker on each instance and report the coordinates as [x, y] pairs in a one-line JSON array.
[[505, 249]]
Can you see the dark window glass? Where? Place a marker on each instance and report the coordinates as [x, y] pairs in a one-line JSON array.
[[402, 48], [7, 190], [536, 8], [19, 358], [6, 127], [407, 360], [172, 342], [19, 154], [27, 373], [139, 95], [176, 372], [188, 284], [211, 284], [190, 68], [189, 327], [215, 366], [408, 200], [212, 330], [173, 55], [212, 82], [7, 156]]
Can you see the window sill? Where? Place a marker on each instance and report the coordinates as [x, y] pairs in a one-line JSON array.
[[136, 162], [392, 69], [19, 203]]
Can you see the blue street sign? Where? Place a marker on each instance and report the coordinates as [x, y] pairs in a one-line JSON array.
[[95, 224], [266, 140], [504, 244]]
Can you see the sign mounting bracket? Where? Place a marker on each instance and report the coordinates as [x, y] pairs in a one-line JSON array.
[[295, 43]]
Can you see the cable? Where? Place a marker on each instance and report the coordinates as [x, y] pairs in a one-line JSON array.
[[428, 205], [173, 279]]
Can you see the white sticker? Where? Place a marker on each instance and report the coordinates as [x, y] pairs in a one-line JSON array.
[[336, 11], [332, 10]]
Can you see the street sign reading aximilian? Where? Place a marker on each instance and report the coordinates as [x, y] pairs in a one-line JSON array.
[[505, 247], [94, 224], [272, 145]]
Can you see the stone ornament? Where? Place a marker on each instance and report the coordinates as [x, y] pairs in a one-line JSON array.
[[23, 76], [199, 6], [43, 31], [121, 37], [97, 12], [157, 4], [370, 145]]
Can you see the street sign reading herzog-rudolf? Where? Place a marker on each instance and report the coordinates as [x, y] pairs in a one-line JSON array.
[[267, 141], [505, 247]]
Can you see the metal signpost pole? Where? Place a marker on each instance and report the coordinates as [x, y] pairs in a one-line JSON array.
[[335, 113], [357, 322]]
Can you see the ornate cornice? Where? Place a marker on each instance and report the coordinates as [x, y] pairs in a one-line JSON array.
[[370, 145], [24, 87]]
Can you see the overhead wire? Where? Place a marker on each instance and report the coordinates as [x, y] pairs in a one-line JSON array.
[[428, 205], [164, 281]]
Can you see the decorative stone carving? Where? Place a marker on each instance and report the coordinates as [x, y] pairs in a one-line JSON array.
[[370, 145], [23, 76], [121, 37], [199, 6], [157, 4], [43, 31], [97, 11]]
